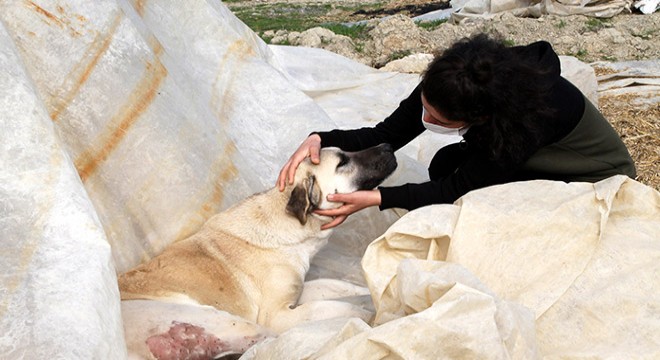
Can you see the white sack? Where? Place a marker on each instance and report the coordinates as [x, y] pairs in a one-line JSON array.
[[582, 257], [647, 6], [56, 269]]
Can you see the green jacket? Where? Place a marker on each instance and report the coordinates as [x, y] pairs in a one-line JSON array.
[[592, 151]]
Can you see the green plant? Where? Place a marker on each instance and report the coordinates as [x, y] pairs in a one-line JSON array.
[[292, 17], [431, 25], [595, 24], [561, 24], [284, 42], [358, 31], [646, 34], [266, 39], [581, 54], [398, 55], [509, 42]]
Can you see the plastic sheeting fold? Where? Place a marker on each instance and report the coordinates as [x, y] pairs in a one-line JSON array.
[[530, 270]]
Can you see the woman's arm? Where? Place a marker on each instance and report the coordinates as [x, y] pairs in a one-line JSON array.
[[475, 173], [398, 129], [403, 125]]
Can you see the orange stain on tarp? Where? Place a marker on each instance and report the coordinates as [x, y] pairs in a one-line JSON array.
[[139, 6], [138, 102], [224, 170], [227, 172], [47, 14], [239, 50], [82, 71], [12, 282], [62, 21]]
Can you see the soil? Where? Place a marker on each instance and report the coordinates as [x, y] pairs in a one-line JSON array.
[[624, 37]]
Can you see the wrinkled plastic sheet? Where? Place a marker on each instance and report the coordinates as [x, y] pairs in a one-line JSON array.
[[465, 9], [639, 79], [529, 270], [120, 136]]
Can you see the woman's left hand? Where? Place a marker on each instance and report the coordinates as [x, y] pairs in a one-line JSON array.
[[353, 202]]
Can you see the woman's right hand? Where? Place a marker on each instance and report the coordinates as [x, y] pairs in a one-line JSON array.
[[310, 147]]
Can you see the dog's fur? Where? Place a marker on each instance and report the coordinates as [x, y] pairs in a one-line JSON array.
[[249, 261]]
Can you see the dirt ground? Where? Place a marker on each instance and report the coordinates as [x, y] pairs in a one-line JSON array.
[[628, 36]]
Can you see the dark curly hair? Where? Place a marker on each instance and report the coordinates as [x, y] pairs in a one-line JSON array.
[[502, 96]]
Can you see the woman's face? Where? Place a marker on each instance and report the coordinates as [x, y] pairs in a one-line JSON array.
[[433, 116]]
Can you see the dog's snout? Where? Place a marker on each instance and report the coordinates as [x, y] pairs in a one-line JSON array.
[[385, 147], [376, 164]]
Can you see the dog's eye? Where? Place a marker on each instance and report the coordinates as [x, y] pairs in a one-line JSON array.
[[343, 160]]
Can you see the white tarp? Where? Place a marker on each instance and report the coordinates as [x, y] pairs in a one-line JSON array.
[[530, 270], [640, 79], [126, 124], [535, 8], [57, 292]]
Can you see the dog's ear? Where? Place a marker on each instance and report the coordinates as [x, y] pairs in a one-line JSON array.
[[304, 199]]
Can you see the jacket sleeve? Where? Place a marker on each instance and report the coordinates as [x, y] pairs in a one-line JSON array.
[[476, 172], [398, 129]]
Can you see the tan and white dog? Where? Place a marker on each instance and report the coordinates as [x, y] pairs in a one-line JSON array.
[[239, 279]]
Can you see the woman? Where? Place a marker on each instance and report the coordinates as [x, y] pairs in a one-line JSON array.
[[519, 119]]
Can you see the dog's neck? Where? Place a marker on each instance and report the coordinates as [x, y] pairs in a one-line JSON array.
[[264, 212]]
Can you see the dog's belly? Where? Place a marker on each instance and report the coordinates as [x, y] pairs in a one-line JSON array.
[[160, 330]]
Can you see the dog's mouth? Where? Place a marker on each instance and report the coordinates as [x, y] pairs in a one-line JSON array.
[[381, 169]]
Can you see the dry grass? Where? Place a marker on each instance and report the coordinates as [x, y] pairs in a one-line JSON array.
[[639, 128]]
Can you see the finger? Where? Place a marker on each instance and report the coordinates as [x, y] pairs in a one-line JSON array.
[[281, 179], [292, 170], [341, 211], [343, 198], [336, 221], [314, 154]]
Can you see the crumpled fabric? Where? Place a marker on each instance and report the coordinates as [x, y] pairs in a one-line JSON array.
[[640, 78], [465, 9], [537, 269], [124, 125]]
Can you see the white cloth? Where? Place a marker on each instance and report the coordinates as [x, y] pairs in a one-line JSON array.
[[124, 126], [527, 270]]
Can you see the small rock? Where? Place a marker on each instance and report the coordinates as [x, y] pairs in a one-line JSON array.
[[413, 64]]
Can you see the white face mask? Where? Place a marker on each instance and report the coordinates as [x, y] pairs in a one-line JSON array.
[[439, 129]]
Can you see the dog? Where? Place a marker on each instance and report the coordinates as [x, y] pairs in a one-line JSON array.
[[238, 280]]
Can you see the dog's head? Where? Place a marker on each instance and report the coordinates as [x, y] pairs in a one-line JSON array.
[[338, 172]]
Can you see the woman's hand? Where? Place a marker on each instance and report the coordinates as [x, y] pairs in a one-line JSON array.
[[353, 202], [310, 147]]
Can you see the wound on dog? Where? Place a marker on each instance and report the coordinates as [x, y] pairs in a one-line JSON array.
[[185, 341]]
